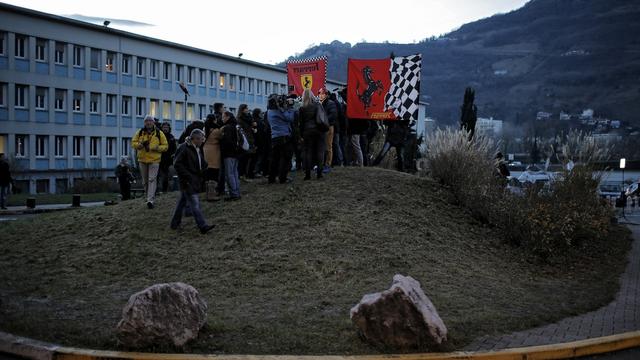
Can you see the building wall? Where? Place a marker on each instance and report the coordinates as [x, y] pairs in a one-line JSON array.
[[41, 129]]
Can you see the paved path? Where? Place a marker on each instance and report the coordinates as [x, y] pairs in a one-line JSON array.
[[621, 315]]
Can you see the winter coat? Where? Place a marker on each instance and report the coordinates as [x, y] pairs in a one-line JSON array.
[[332, 111], [396, 133], [307, 115], [212, 149], [280, 122], [157, 145], [167, 157], [5, 173], [245, 121], [229, 140], [190, 172]]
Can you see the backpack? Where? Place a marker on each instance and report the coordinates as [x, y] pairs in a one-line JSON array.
[[322, 123], [242, 144]]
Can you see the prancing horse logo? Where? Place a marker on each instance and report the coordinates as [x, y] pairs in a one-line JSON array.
[[306, 80]]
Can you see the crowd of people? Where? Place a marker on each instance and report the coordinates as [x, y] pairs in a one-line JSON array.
[[225, 150]]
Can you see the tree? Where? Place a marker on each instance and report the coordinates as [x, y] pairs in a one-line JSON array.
[[535, 152], [469, 112]]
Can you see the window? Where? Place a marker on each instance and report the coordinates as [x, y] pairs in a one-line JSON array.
[[41, 98], [110, 106], [126, 146], [191, 74], [21, 145], [21, 46], [222, 79], [126, 60], [203, 77], [166, 71], [283, 89], [77, 56], [213, 78], [59, 53], [78, 100], [232, 82], [3, 36], [153, 68], [42, 186], [140, 105], [258, 87], [153, 107], [140, 66], [41, 50], [250, 86], [203, 111], [3, 96], [94, 146], [166, 109], [78, 145], [22, 92], [59, 100], [191, 110], [126, 101], [41, 145], [110, 148], [241, 84], [179, 115], [111, 60], [179, 73], [267, 88], [94, 103], [61, 144], [95, 58]]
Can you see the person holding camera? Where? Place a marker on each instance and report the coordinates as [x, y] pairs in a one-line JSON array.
[[150, 143], [280, 118]]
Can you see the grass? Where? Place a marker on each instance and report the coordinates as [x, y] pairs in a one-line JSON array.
[[21, 199], [286, 263]]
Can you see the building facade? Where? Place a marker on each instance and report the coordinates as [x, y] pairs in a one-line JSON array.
[[72, 94]]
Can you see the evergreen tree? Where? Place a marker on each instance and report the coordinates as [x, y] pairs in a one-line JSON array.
[[469, 112]]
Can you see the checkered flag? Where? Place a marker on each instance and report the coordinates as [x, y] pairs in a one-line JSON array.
[[404, 93]]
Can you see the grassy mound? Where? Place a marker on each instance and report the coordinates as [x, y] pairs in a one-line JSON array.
[[286, 263]]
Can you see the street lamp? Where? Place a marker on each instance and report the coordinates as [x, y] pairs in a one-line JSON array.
[[623, 162], [186, 93]]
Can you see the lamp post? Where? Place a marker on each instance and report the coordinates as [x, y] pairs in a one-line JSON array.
[[186, 93], [623, 163]]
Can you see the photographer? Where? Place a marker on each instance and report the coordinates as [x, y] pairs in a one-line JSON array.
[[150, 143], [280, 119]]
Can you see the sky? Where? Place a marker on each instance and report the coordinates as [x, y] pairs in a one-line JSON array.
[[270, 31]]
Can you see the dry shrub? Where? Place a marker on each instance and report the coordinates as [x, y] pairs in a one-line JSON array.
[[547, 221]]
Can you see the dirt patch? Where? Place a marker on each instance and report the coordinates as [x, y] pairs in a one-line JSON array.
[[286, 263]]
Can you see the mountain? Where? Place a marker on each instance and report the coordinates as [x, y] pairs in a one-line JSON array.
[[549, 55]]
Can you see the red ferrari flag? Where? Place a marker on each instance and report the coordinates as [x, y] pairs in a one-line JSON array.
[[306, 74], [384, 89]]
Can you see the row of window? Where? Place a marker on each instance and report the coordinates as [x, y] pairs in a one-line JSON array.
[[78, 146], [193, 74], [41, 102]]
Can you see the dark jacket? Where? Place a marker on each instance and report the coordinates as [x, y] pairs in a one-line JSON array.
[[229, 141], [190, 173], [332, 111], [307, 115], [245, 121], [123, 173], [396, 133], [194, 125], [167, 157], [5, 173]]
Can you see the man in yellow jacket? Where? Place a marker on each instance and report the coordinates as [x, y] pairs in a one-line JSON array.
[[150, 143]]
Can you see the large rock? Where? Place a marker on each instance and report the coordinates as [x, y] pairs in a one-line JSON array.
[[162, 314], [402, 318]]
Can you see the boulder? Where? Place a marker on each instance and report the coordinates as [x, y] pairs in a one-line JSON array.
[[162, 314], [402, 318]]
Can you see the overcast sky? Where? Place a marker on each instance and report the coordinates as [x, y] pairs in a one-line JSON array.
[[269, 31]]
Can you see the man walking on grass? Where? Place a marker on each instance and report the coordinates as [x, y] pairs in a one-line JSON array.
[[190, 166], [150, 143]]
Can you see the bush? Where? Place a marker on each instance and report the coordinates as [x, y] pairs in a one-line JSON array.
[[94, 185], [547, 221]]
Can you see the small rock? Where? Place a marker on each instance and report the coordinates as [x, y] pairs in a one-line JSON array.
[[402, 318], [162, 314]]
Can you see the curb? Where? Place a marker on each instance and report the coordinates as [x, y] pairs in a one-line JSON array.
[[32, 349], [34, 211]]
